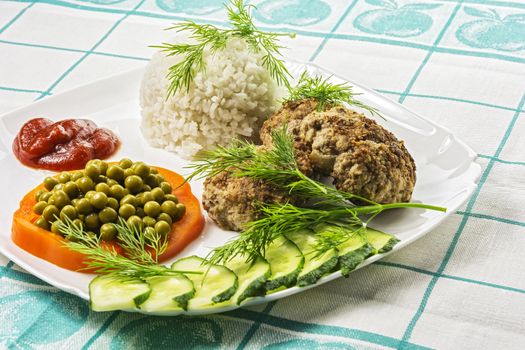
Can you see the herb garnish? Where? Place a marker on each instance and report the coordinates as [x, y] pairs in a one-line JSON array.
[[214, 39], [325, 93], [139, 263], [277, 166]]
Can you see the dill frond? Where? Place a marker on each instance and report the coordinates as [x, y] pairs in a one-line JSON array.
[[209, 37], [104, 259], [325, 93], [325, 205]]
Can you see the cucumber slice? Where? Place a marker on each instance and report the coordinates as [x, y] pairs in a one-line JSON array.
[[314, 266], [168, 293], [107, 293], [286, 262], [352, 252], [382, 242], [215, 284], [252, 277]]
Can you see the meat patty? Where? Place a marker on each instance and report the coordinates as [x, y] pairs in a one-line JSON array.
[[291, 113], [362, 157], [230, 200]]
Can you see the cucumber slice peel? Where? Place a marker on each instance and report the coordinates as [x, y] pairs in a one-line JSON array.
[[252, 277], [381, 242], [213, 285], [315, 266], [168, 293], [286, 262], [107, 293]]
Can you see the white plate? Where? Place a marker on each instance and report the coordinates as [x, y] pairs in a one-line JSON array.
[[446, 171]]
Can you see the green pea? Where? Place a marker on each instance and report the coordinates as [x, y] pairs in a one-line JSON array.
[[50, 212], [68, 211], [107, 215], [165, 187], [151, 181], [158, 194], [38, 194], [117, 192], [39, 207], [71, 189], [77, 175], [101, 179], [99, 200], [45, 196], [165, 217], [153, 171], [61, 199], [141, 169], [111, 182], [92, 221], [171, 197], [83, 206], [55, 228], [90, 194], [162, 228], [85, 184], [169, 208], [50, 183], [42, 223], [108, 232], [81, 217], [113, 203], [133, 183], [115, 172], [149, 221], [152, 208], [102, 187], [160, 178], [146, 188], [58, 187], [146, 197], [103, 166], [93, 170], [135, 221], [64, 177], [140, 212], [128, 172], [125, 163], [78, 223], [129, 199], [126, 211], [181, 210]]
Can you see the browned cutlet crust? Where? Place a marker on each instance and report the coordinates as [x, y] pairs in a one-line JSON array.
[[230, 200]]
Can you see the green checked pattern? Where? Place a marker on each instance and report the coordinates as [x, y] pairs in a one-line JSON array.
[[461, 63]]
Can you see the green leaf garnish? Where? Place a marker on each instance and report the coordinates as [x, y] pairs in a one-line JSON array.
[[214, 39]]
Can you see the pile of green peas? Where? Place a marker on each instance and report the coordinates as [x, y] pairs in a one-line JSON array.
[[97, 196]]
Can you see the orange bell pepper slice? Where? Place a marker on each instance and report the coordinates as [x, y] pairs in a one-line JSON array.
[[52, 248]]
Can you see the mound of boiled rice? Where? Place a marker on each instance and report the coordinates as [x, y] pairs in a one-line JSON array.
[[229, 99]]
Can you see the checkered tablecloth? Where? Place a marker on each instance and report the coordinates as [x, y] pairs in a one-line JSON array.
[[460, 63]]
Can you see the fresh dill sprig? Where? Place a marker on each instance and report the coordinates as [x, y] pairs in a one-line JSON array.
[[325, 93], [279, 219], [104, 259], [209, 37], [137, 246], [277, 166]]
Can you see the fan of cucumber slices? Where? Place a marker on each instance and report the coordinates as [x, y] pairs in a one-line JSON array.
[[289, 261]]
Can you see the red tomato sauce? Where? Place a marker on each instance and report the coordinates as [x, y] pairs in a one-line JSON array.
[[65, 145]]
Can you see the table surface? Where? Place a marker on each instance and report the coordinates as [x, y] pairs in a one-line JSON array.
[[459, 63]]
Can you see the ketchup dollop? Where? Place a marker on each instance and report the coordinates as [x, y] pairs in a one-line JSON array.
[[65, 145]]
